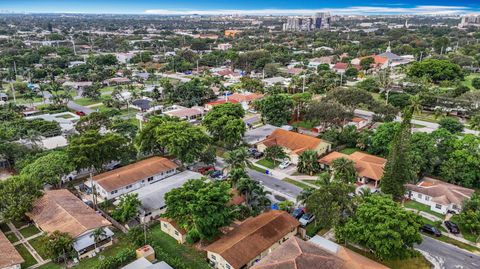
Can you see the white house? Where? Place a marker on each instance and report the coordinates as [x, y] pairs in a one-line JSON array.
[[439, 195], [134, 176]]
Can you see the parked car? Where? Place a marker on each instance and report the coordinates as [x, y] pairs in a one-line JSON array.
[[452, 227], [255, 153], [450, 211], [80, 113], [284, 164], [298, 213], [218, 175], [306, 219], [427, 228]]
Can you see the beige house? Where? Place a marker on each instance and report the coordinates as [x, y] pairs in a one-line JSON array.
[[9, 257], [294, 143], [252, 240], [171, 228]]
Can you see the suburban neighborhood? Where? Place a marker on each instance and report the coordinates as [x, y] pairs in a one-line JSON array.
[[142, 136]]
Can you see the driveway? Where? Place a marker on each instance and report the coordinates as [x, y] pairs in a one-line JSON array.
[[446, 256]]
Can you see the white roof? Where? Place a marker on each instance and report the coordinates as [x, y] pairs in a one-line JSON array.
[[54, 142], [85, 240], [325, 243], [153, 196], [143, 263]]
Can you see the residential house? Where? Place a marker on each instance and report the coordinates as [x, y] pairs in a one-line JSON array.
[[117, 81], [134, 176], [379, 62], [276, 80], [318, 253], [143, 263], [224, 46], [439, 195], [153, 197], [171, 228], [209, 106], [358, 122], [189, 114], [10, 258], [60, 210], [141, 104], [255, 135], [252, 240], [245, 99], [232, 32], [77, 85], [315, 62], [341, 68], [369, 167], [294, 143]]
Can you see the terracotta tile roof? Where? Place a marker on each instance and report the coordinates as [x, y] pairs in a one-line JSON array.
[[253, 236], [184, 112], [441, 192], [131, 173], [294, 141], [299, 254], [367, 165], [219, 102], [245, 97], [60, 210], [237, 198], [345, 66], [174, 224], [10, 255]]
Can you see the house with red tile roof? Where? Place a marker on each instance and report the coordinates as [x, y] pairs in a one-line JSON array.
[[10, 258], [294, 143], [439, 195], [369, 167]]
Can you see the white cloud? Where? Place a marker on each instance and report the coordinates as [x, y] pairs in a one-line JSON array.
[[355, 10]]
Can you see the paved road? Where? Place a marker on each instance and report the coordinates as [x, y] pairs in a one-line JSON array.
[[275, 184], [446, 256], [77, 107]]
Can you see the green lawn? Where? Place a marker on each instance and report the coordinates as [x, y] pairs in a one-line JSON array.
[[426, 117], [418, 262], [29, 259], [51, 265], [256, 168], [29, 231], [422, 207], [191, 257], [466, 234], [303, 124], [296, 183], [12, 237], [86, 101], [107, 89], [37, 244], [427, 221], [468, 80], [19, 223], [267, 163], [349, 151]]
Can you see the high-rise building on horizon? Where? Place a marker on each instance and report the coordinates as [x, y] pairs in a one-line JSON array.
[[470, 20], [320, 20]]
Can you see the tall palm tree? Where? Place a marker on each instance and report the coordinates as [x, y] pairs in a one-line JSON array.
[[308, 162], [236, 175], [416, 104], [303, 196], [237, 158], [343, 169], [98, 235], [255, 195]]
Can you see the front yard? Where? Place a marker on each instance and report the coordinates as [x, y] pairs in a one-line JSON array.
[[267, 163], [421, 207], [296, 183], [418, 262]]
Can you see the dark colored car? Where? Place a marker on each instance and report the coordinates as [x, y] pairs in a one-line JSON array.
[[217, 174], [430, 230], [298, 213], [203, 170], [452, 227], [255, 153]]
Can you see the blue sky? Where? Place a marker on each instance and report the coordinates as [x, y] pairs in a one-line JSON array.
[[245, 7]]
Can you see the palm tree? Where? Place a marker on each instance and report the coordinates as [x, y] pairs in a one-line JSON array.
[[308, 162], [98, 235], [475, 122], [255, 196], [303, 196], [416, 104], [236, 175], [343, 169], [237, 158], [275, 153]]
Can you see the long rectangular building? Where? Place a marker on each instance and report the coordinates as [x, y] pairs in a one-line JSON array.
[[134, 176]]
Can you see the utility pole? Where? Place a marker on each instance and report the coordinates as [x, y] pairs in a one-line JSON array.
[[303, 86]]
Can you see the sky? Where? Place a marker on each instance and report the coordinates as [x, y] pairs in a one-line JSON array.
[[248, 7]]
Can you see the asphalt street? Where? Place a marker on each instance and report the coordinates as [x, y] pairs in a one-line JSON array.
[[275, 183], [446, 256]]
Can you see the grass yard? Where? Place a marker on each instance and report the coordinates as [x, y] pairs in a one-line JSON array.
[[86, 101], [11, 237], [426, 117], [418, 262], [466, 234], [468, 80], [191, 257], [349, 151], [37, 244], [434, 224], [29, 259], [303, 124], [19, 223], [256, 168], [29, 231], [106, 90], [425, 208], [267, 163], [296, 183], [51, 265]]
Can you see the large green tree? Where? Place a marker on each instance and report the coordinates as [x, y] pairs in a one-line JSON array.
[[50, 168], [276, 109], [200, 207], [382, 226], [17, 194], [255, 195], [128, 207], [436, 70], [58, 245], [308, 162], [275, 153], [224, 123]]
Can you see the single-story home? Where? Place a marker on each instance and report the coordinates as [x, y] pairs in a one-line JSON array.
[[319, 254], [153, 197], [358, 122], [369, 167], [117, 81], [245, 99], [210, 105], [10, 258], [252, 240], [253, 136], [171, 228], [185, 113], [60, 210], [134, 176], [276, 80], [294, 143], [143, 263], [439, 195], [341, 68]]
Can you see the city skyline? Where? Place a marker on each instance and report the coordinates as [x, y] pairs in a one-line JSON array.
[[268, 7]]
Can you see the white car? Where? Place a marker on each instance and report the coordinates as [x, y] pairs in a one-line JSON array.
[[284, 164]]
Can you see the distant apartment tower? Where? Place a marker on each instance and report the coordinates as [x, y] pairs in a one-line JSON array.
[[320, 20], [470, 20]]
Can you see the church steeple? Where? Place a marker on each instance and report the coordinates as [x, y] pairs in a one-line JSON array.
[[389, 49]]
